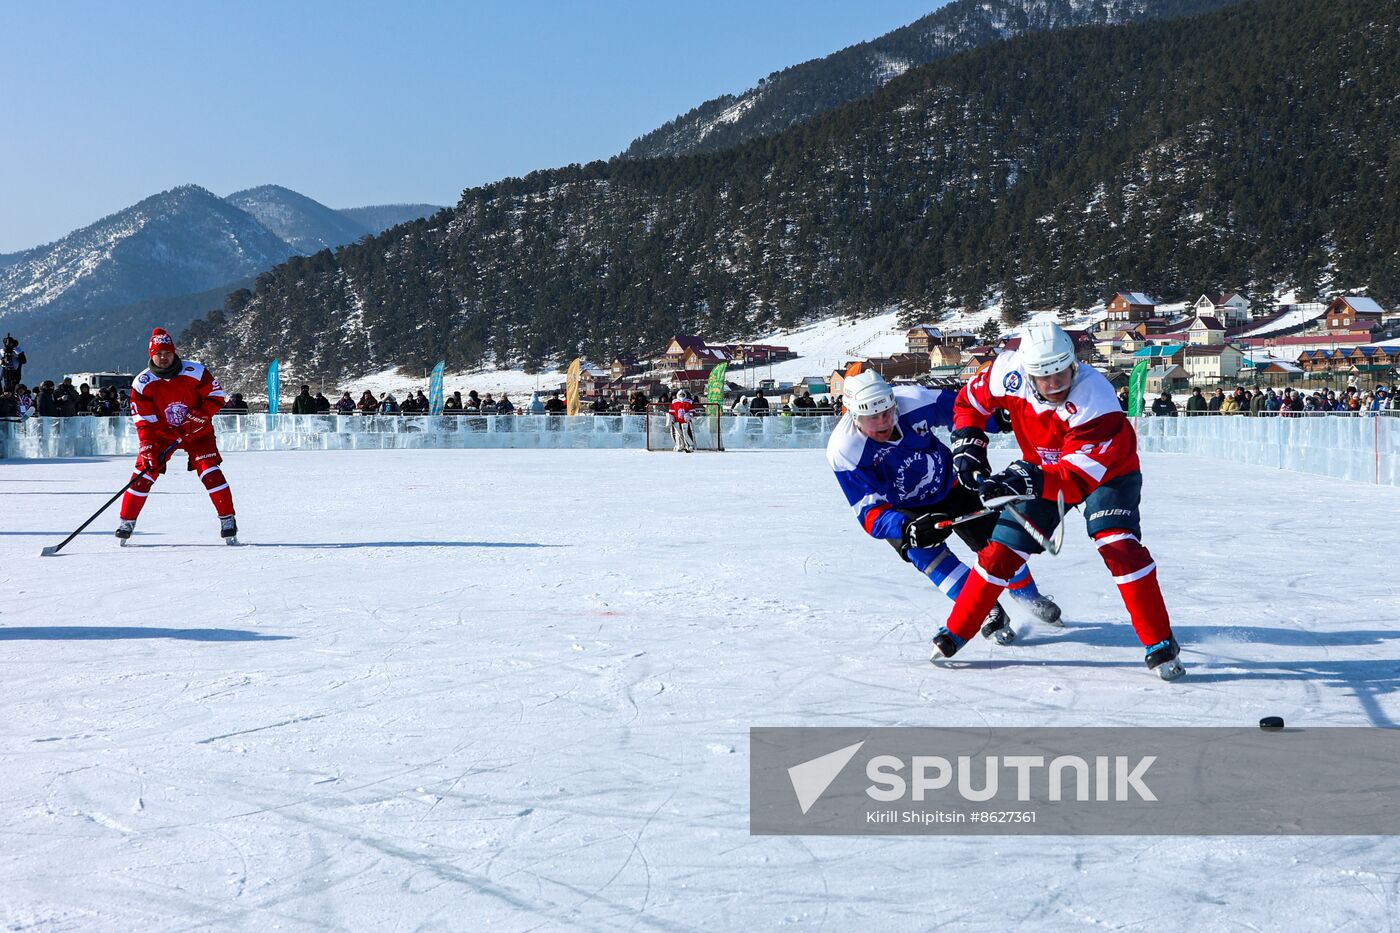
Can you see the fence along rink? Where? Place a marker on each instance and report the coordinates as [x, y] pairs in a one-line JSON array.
[[707, 426], [89, 436], [1362, 448]]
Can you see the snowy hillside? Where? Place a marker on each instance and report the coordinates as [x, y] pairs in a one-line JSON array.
[[427, 695], [820, 347], [803, 91], [1301, 314], [303, 224], [179, 241], [383, 216]]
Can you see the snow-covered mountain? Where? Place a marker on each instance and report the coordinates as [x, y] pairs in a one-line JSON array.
[[383, 216], [307, 226], [10, 259], [83, 301], [801, 92], [182, 240]]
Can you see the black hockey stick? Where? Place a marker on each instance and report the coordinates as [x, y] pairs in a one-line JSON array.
[[973, 516], [1051, 544], [51, 551]]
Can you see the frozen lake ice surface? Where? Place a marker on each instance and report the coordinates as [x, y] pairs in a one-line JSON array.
[[511, 690]]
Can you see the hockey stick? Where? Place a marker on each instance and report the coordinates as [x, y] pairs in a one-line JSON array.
[[980, 513], [51, 551], [1055, 541], [1051, 545]]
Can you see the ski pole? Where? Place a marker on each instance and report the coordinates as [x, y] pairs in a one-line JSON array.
[[54, 549]]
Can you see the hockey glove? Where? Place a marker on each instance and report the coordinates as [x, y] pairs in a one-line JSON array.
[[195, 422], [148, 460], [921, 533], [1021, 480], [970, 457]]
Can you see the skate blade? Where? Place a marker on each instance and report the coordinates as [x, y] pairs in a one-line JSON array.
[[1172, 670], [232, 542], [1004, 635]]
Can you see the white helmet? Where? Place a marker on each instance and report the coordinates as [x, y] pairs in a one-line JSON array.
[[1045, 348], [867, 393], [683, 394]]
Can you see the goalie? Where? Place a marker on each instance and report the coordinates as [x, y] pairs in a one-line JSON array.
[[680, 418]]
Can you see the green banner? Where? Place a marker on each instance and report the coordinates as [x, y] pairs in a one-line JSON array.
[[714, 389], [1137, 388]]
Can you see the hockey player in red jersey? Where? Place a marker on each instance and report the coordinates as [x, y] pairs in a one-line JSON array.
[[1075, 440], [172, 403], [679, 417]]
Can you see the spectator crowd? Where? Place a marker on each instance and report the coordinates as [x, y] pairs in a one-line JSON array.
[[65, 400], [1265, 402]]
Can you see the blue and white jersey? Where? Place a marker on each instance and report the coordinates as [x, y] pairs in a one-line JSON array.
[[913, 469]]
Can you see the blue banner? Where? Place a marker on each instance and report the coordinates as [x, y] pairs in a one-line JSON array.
[[274, 391], [435, 391]]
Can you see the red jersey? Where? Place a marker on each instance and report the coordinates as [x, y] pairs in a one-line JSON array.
[[160, 406], [682, 409], [1079, 444]]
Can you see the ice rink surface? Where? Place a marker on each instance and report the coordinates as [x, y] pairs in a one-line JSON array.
[[511, 690]]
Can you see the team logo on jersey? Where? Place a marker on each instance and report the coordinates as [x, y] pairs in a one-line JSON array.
[[917, 478], [1069, 407], [176, 413], [1012, 382]]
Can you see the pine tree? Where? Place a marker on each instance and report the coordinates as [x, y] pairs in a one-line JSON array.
[[1160, 154]]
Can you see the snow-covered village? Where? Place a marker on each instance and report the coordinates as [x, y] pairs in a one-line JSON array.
[[932, 486]]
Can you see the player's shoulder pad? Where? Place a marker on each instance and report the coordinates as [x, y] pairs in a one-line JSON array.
[[1091, 397], [193, 369], [1007, 376], [143, 379], [845, 446]]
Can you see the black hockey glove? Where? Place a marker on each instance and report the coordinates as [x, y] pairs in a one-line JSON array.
[[970, 457], [921, 533], [1021, 480]]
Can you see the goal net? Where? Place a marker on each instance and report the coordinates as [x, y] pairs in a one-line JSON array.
[[706, 426]]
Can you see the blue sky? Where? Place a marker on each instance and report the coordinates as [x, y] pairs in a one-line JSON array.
[[356, 103]]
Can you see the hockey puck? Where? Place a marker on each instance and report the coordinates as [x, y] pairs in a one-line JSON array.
[[1271, 723]]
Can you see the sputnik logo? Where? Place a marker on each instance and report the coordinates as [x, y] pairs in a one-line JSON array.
[[811, 778]]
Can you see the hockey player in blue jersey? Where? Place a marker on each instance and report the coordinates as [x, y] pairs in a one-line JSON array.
[[900, 480]]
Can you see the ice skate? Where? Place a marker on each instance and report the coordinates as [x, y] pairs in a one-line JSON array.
[[1163, 658], [228, 529], [998, 626], [124, 531], [945, 645], [1045, 610]]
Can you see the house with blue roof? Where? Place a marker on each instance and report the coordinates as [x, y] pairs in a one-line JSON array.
[[1170, 354]]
